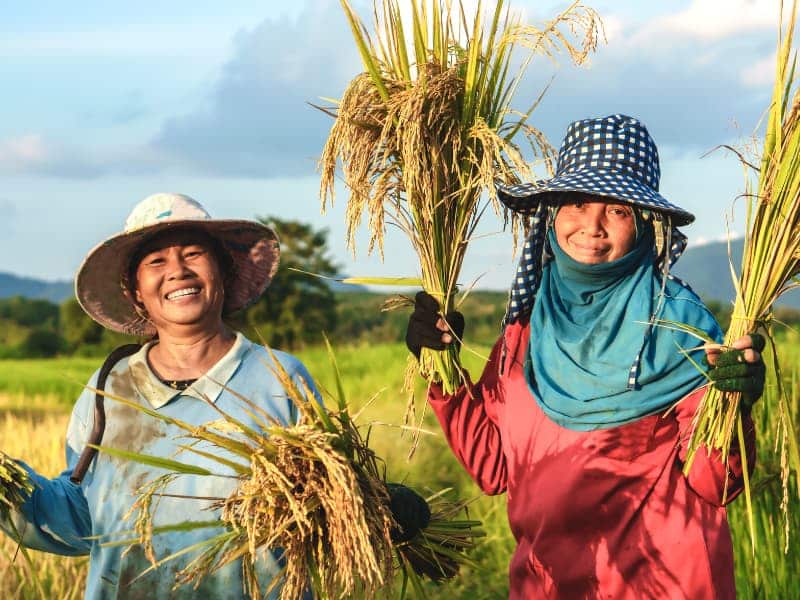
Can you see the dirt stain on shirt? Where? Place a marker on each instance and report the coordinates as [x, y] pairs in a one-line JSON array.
[[126, 427]]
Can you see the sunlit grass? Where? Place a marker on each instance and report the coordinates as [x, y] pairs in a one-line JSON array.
[[38, 437], [39, 440]]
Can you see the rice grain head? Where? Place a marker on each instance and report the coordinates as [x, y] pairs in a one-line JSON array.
[[421, 138]]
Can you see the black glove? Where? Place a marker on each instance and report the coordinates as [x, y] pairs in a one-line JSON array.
[[732, 374], [422, 330], [410, 511]]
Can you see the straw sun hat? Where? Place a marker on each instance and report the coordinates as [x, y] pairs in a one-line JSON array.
[[99, 286]]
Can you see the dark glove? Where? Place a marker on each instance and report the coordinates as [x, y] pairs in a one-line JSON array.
[[410, 511], [732, 374], [422, 330]]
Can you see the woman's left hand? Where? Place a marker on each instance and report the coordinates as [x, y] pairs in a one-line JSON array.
[[739, 368], [410, 510]]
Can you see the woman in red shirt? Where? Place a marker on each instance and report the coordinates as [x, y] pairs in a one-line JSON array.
[[584, 409]]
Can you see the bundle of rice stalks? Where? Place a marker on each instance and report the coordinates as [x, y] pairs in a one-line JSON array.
[[15, 485], [314, 493], [770, 267], [428, 128]]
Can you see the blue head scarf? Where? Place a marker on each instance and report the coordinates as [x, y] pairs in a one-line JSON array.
[[589, 321]]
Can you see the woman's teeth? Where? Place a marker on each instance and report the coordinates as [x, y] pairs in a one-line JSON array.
[[183, 292]]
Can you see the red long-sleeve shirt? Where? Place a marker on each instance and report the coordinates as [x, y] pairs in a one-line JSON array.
[[599, 514]]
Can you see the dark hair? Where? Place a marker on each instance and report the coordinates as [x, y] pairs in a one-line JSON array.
[[217, 247]]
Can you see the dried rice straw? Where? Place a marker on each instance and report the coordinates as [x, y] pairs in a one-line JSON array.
[[314, 492], [770, 267], [428, 128]]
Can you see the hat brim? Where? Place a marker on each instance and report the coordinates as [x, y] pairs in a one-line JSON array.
[[524, 198], [254, 249]]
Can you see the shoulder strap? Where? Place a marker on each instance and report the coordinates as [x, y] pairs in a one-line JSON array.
[[99, 428]]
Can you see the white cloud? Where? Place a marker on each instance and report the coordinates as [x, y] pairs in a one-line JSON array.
[[760, 73], [35, 154], [182, 40], [23, 150], [716, 19], [257, 122]]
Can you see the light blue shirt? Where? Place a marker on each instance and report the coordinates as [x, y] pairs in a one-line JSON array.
[[70, 519]]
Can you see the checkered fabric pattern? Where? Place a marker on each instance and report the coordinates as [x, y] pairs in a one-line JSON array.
[[611, 156]]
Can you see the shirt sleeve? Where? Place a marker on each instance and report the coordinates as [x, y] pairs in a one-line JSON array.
[[55, 517], [712, 479], [470, 426]]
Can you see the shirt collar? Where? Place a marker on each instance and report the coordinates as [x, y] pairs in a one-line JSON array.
[[207, 387]]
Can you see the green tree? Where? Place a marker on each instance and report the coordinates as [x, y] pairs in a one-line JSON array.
[[76, 327], [40, 343], [296, 308], [30, 312]]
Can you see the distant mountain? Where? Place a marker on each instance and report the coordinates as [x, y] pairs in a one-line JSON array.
[[54, 291], [707, 269]]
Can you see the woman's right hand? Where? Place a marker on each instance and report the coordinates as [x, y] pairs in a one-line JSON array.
[[428, 329]]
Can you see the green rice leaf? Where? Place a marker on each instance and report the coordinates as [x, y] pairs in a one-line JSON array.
[[182, 526], [683, 328], [238, 468], [390, 281], [155, 461], [341, 399]]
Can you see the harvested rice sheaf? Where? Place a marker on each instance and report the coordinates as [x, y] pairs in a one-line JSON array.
[[770, 267], [425, 133], [314, 493], [15, 485], [330, 521]]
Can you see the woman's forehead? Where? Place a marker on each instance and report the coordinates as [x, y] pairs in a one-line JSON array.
[[586, 198], [175, 237]]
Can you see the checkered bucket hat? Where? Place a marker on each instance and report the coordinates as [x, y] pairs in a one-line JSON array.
[[611, 156]]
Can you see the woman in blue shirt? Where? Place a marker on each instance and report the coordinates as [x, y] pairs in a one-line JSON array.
[[170, 276]]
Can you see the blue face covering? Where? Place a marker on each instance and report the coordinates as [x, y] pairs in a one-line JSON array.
[[587, 326]]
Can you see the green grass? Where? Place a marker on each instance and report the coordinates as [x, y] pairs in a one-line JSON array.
[[377, 371], [59, 380]]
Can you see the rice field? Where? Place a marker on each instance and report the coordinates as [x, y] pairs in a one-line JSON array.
[[36, 396]]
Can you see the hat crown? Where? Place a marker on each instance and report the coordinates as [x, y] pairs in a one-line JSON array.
[[614, 143], [163, 207]]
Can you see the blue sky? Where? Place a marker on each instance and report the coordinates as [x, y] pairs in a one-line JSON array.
[[105, 103]]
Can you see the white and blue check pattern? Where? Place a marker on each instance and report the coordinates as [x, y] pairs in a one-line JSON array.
[[612, 156]]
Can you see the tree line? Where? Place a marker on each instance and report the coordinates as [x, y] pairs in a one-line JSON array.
[[297, 310]]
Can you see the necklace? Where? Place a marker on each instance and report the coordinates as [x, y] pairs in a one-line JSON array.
[[177, 384]]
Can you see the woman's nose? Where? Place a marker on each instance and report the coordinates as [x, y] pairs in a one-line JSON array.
[[592, 225], [178, 268]]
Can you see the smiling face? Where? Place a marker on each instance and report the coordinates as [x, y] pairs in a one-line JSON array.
[[179, 283], [592, 231]]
